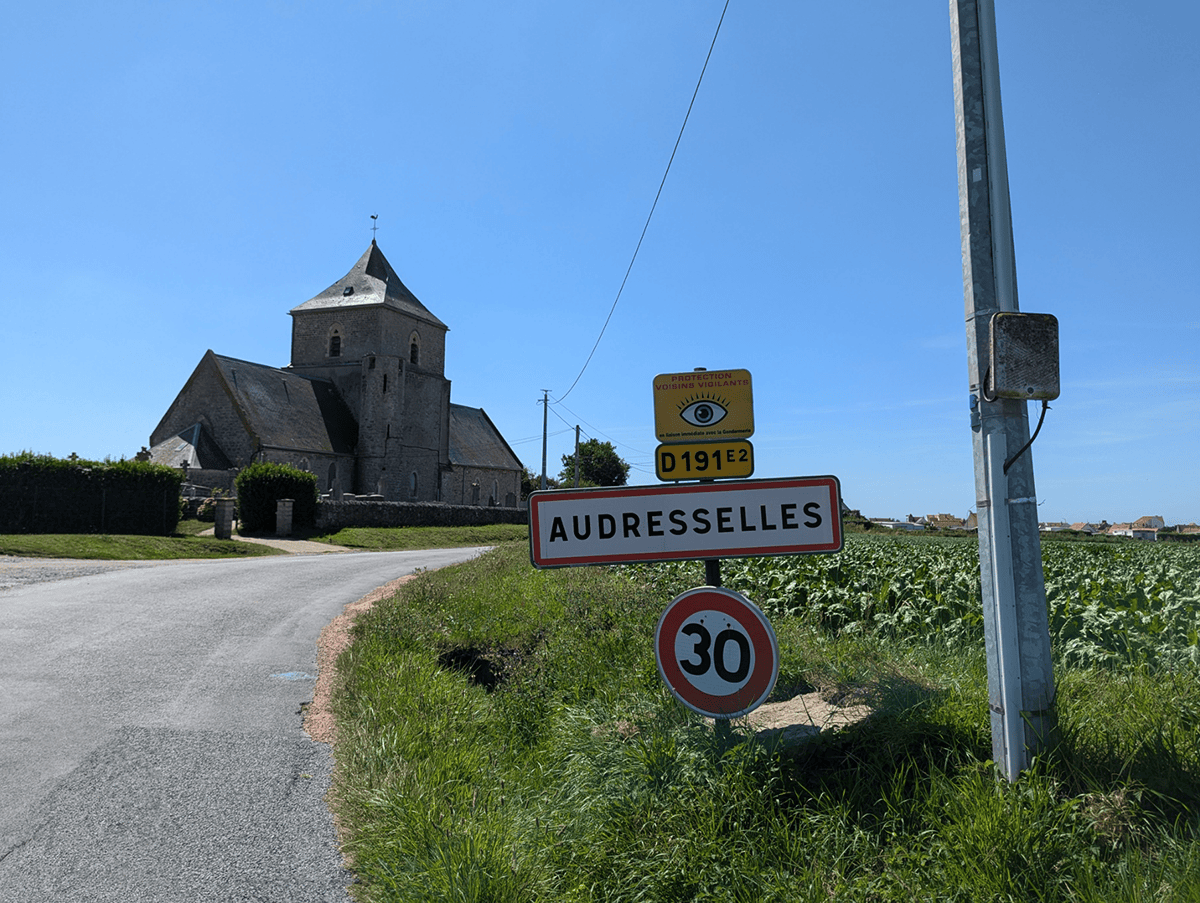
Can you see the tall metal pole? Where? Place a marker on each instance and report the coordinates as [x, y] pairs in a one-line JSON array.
[[577, 456], [1016, 628], [545, 413]]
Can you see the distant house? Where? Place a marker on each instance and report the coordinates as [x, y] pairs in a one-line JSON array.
[[1056, 526], [1089, 529], [1136, 530], [945, 522], [889, 524]]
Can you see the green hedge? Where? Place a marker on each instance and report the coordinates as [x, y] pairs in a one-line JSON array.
[[44, 494], [260, 486]]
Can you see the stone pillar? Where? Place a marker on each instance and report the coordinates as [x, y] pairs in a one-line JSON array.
[[224, 520], [283, 517]]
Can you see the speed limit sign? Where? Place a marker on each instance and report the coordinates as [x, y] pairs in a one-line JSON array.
[[716, 652]]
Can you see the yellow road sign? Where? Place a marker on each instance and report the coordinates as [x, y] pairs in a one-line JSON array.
[[704, 460], [703, 404]]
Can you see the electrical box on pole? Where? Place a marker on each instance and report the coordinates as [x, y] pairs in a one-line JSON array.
[[1012, 358]]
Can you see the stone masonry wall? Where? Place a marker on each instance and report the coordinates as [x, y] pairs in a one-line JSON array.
[[458, 485], [204, 399], [358, 327], [333, 515]]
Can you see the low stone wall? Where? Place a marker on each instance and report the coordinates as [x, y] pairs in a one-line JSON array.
[[333, 515]]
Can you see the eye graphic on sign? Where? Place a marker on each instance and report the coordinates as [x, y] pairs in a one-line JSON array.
[[703, 412]]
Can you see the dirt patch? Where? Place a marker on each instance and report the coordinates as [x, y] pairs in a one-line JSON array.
[[335, 637], [802, 717]]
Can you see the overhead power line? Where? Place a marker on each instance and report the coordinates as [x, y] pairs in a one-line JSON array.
[[652, 206]]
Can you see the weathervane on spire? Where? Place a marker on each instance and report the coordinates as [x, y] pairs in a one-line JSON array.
[[374, 226]]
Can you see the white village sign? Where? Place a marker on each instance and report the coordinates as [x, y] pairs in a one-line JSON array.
[[787, 516]]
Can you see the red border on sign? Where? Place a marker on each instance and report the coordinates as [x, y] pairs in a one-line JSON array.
[[736, 606], [558, 495]]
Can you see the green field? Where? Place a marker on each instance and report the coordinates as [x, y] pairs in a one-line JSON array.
[[504, 735]]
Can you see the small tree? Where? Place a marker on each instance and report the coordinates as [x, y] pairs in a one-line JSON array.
[[261, 485], [599, 465], [532, 482]]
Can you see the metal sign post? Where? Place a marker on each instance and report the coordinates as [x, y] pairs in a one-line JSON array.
[[1016, 629], [716, 650]]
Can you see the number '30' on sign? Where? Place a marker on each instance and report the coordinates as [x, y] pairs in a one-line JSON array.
[[716, 652]]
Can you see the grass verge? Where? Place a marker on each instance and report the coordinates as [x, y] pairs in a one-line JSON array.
[[399, 539], [504, 736], [127, 547]]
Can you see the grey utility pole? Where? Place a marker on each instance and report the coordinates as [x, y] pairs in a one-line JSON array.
[[577, 456], [1016, 629], [545, 414]]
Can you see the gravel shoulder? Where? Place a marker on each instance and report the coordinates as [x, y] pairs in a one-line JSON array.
[[18, 571]]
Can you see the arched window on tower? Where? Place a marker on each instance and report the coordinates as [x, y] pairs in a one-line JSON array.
[[335, 344], [414, 349]]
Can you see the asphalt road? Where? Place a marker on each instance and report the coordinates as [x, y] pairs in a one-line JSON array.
[[151, 744]]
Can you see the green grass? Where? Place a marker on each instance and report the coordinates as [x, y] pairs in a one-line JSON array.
[[388, 539], [126, 547], [185, 543], [504, 736], [192, 527]]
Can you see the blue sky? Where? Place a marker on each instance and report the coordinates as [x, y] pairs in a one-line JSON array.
[[177, 176]]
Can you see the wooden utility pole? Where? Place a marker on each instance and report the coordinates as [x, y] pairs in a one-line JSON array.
[[1016, 628]]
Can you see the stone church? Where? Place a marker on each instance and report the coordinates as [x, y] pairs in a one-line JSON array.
[[365, 404]]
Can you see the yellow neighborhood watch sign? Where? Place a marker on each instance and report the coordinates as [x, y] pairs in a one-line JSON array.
[[703, 404]]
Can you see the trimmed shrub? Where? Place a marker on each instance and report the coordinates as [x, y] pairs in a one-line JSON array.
[[44, 494], [260, 486]]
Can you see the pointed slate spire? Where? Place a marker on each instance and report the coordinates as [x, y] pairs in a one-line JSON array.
[[370, 282]]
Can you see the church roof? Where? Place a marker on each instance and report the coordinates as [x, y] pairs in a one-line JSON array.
[[282, 409], [475, 441], [192, 446], [370, 283]]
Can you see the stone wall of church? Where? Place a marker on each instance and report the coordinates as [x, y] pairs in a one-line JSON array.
[[356, 327], [204, 400], [363, 331], [399, 332], [426, 413], [486, 486], [380, 407], [403, 418], [333, 472]]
